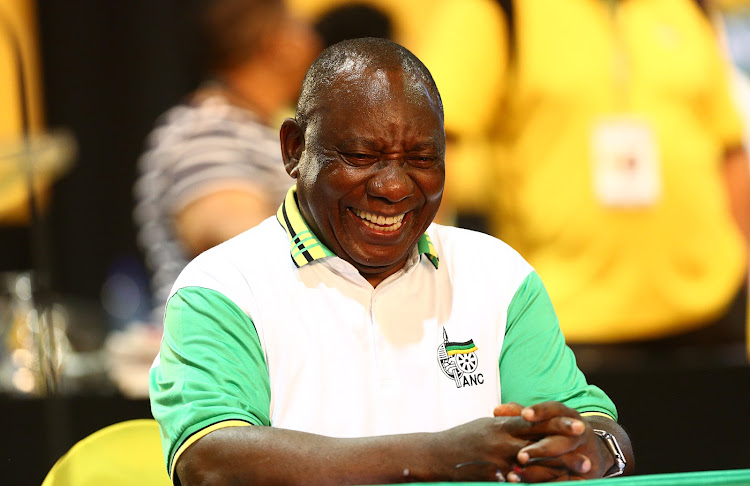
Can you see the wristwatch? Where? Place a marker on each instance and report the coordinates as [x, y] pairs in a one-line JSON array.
[[614, 448]]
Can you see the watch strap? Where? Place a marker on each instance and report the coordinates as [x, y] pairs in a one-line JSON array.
[[614, 448]]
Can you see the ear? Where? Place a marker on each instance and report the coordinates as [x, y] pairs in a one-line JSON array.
[[292, 144]]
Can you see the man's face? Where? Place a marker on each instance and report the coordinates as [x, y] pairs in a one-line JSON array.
[[372, 170]]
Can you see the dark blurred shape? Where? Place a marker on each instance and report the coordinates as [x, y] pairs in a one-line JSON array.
[[109, 70], [16, 244], [229, 32], [352, 21]]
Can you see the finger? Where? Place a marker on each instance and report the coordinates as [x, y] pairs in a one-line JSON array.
[[507, 410], [575, 463], [547, 410], [477, 471], [537, 474], [553, 446], [565, 426]]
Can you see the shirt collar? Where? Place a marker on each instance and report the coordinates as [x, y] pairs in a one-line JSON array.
[[305, 247]]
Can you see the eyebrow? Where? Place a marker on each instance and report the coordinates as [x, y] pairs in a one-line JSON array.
[[432, 144], [367, 143], [373, 144]]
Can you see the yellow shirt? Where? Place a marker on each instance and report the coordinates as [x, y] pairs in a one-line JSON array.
[[613, 273]]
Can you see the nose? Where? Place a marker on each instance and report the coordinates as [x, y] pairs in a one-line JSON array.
[[391, 181]]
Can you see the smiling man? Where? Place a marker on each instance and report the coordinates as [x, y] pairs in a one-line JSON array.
[[369, 189], [350, 340]]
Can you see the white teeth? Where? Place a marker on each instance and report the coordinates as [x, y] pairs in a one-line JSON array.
[[379, 222]]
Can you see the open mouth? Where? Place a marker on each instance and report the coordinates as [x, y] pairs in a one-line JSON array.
[[379, 222]]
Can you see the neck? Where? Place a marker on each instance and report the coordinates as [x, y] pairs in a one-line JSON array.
[[376, 280], [254, 88]]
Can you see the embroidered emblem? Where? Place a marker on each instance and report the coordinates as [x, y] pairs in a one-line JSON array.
[[459, 362]]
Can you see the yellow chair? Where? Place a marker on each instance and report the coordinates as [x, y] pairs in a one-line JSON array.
[[126, 453]]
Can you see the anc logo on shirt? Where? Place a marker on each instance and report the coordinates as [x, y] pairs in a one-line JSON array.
[[459, 361]]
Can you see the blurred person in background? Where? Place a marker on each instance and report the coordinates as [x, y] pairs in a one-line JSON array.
[[608, 150], [212, 167]]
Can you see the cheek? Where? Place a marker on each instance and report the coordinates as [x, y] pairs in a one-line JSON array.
[[318, 170], [325, 181], [431, 183], [306, 177], [341, 181], [310, 165]]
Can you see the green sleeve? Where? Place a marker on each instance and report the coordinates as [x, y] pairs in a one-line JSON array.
[[535, 363], [211, 368]]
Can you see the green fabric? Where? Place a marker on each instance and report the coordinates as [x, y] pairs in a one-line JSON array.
[[535, 363], [738, 477], [425, 247], [211, 368]]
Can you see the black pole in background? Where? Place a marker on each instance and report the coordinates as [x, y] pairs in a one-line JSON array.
[[42, 326]]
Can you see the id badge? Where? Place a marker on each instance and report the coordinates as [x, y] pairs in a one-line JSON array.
[[625, 163]]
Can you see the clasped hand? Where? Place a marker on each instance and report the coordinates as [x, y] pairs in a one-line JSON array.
[[544, 442]]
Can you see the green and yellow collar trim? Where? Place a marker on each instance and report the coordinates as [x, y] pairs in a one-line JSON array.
[[305, 246]]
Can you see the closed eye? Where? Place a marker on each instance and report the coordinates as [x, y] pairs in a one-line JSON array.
[[422, 161], [356, 158]]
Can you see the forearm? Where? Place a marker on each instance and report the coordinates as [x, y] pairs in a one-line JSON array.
[[219, 216], [266, 455]]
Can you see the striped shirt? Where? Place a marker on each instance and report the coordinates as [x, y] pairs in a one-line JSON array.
[[197, 149]]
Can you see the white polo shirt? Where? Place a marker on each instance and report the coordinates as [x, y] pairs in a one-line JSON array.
[[255, 334]]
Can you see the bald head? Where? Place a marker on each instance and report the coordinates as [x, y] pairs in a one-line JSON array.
[[364, 58]]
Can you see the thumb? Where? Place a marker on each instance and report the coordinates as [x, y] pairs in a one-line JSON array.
[[511, 409]]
